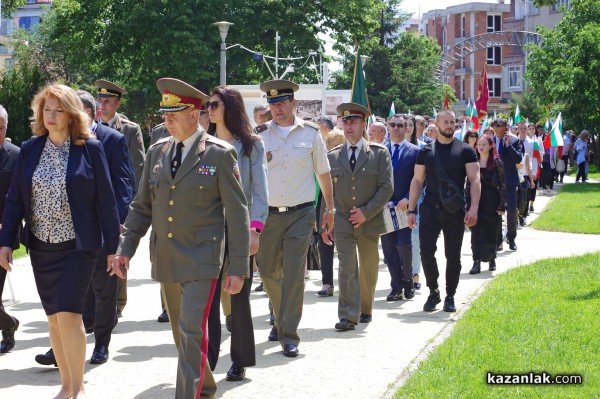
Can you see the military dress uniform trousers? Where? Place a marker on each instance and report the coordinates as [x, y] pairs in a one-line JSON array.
[[357, 274], [188, 305], [281, 261]]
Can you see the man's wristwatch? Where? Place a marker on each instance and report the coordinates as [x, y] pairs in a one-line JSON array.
[[411, 212], [332, 211]]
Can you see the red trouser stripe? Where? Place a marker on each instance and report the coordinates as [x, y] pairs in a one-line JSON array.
[[204, 346]]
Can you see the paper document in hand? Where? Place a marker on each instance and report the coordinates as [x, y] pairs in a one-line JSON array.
[[394, 220]]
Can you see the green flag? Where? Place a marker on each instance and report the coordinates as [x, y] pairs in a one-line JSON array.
[[517, 114], [359, 88]]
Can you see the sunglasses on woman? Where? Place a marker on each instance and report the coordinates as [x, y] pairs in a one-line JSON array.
[[213, 104]]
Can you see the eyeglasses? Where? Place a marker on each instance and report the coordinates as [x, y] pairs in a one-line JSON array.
[[400, 125], [213, 104]]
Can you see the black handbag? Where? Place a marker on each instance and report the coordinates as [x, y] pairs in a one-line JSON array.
[[450, 194], [313, 257]]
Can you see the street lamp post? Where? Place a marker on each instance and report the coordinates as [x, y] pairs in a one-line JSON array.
[[223, 29]]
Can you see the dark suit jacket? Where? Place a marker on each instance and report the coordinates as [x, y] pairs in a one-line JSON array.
[[89, 190], [8, 159], [404, 171], [511, 156], [119, 167]]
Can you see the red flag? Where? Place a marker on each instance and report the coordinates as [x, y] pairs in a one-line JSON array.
[[446, 100], [484, 93]]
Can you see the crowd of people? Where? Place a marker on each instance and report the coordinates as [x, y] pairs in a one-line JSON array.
[[223, 198]]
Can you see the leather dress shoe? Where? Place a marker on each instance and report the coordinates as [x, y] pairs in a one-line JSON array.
[[326, 292], [449, 305], [228, 322], [236, 373], [345, 325], [493, 265], [100, 355], [432, 300], [259, 288], [512, 246], [164, 317], [89, 329], [409, 289], [365, 318], [290, 350], [476, 269], [273, 336], [394, 296], [47, 359], [8, 337]]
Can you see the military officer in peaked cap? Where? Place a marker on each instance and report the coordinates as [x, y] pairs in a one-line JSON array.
[[109, 100], [189, 189], [362, 185], [295, 155]]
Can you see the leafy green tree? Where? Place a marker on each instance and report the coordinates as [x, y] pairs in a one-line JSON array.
[[9, 6]]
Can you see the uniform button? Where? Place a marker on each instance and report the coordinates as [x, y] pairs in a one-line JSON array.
[[170, 235], [353, 188], [170, 219], [214, 238], [171, 202], [200, 187], [173, 187], [352, 177], [353, 198]]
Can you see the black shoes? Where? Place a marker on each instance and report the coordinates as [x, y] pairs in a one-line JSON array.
[[47, 359], [476, 269], [512, 246], [365, 318], [531, 208], [409, 289], [449, 304], [500, 247], [290, 350], [395, 295], [493, 265], [259, 288], [236, 373], [228, 323], [273, 336], [345, 325], [100, 355], [326, 291], [8, 337], [432, 300], [164, 317]]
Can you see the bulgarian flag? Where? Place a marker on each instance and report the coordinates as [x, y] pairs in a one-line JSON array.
[[537, 155], [517, 115], [392, 110], [556, 136], [474, 117], [484, 125]]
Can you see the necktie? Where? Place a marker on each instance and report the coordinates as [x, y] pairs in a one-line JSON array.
[[353, 157], [105, 123], [500, 146], [176, 162], [396, 156]]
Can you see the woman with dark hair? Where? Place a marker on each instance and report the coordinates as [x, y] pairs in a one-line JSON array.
[[471, 137], [229, 122], [61, 185], [411, 128], [492, 205]]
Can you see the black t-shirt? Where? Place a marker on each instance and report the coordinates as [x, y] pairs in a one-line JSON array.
[[453, 157]]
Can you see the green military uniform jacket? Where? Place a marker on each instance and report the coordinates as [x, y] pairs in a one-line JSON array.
[[158, 132], [369, 187], [188, 213], [135, 143]]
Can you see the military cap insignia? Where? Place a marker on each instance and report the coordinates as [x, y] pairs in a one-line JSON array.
[[274, 92], [346, 113], [103, 90]]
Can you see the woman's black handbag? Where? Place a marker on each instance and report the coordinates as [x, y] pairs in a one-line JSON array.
[[313, 257], [450, 194]]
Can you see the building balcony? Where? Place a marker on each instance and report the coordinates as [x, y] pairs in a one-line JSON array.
[[463, 71]]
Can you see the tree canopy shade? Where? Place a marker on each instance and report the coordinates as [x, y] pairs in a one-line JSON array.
[[565, 70]]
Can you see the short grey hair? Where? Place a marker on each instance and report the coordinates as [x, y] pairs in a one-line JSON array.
[[259, 107], [4, 114], [380, 125], [88, 101]]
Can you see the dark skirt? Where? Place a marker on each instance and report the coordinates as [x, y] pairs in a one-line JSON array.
[[62, 274], [484, 237]]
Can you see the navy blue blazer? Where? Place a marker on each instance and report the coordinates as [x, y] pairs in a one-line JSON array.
[[404, 171], [8, 159], [119, 167], [89, 190], [511, 156]]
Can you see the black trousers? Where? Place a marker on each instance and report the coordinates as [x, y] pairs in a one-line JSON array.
[[433, 221], [397, 251], [533, 191], [6, 321], [581, 172], [326, 252], [242, 349], [100, 308], [512, 215]]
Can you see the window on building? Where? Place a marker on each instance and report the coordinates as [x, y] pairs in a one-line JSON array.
[[463, 26], [494, 23], [28, 23], [514, 77], [494, 55], [560, 3], [495, 87], [463, 89]]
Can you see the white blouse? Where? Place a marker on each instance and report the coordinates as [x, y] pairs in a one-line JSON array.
[[51, 219]]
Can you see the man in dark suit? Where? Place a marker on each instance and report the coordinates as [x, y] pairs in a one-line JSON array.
[[397, 245], [511, 153], [100, 311], [362, 185], [8, 157]]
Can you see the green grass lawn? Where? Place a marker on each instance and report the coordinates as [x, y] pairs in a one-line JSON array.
[[593, 172], [537, 318], [576, 209], [19, 253]]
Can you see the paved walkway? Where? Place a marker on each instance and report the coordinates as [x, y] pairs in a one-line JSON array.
[[366, 363]]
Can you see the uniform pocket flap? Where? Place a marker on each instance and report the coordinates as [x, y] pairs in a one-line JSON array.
[[303, 144]]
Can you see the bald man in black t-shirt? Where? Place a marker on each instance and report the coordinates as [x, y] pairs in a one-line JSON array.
[[459, 161]]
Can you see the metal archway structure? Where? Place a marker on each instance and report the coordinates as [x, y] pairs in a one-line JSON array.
[[481, 42]]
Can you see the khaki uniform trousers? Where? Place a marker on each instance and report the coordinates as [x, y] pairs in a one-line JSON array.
[[281, 261], [188, 306], [357, 284]]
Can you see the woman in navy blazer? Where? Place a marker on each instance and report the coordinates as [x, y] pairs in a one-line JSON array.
[[61, 186]]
